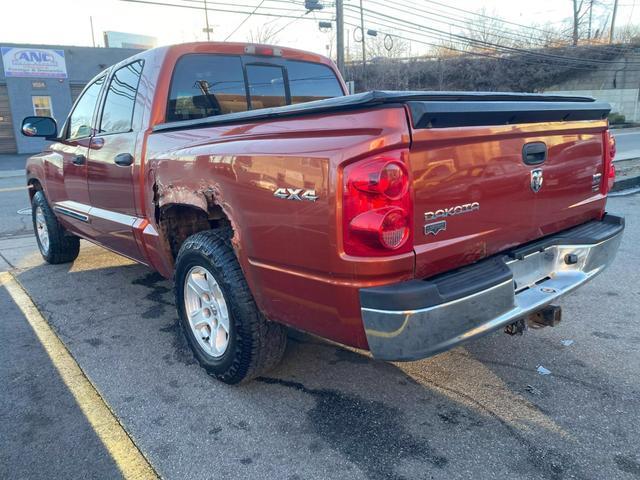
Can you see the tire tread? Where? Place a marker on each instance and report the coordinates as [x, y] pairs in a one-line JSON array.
[[63, 247], [261, 343]]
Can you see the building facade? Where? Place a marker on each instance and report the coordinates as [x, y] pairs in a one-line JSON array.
[[45, 80]]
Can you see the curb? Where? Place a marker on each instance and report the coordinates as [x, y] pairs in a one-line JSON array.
[[12, 173], [626, 184]]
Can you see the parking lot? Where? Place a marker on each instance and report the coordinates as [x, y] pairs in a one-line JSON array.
[[482, 411]]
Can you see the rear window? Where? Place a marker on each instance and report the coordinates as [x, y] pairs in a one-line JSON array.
[[266, 86], [205, 85], [311, 81]]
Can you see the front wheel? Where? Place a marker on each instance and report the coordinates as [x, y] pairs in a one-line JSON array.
[[229, 336], [55, 244]]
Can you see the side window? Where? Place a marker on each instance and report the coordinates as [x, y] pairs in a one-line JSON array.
[[206, 85], [266, 86], [82, 115], [117, 113], [311, 81]]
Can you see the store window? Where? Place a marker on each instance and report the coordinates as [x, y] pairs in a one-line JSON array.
[[42, 106]]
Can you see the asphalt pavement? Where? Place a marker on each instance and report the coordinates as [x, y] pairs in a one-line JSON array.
[[481, 411], [42, 425], [627, 143]]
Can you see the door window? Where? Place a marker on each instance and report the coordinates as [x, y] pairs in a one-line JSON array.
[[42, 106], [206, 85], [81, 118], [266, 86], [117, 113]]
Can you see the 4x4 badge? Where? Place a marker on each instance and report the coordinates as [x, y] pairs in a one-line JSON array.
[[536, 180], [296, 194]]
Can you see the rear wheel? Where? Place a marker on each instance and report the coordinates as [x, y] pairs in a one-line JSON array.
[[229, 336], [55, 243]]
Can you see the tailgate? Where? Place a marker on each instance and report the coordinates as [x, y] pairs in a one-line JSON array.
[[489, 176]]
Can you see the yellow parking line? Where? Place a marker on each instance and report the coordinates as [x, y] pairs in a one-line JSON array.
[[130, 461], [13, 189]]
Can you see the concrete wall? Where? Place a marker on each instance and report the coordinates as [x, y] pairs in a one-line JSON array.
[[83, 63], [617, 83], [623, 73], [622, 100]]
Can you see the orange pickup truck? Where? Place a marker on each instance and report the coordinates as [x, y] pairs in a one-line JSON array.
[[405, 223]]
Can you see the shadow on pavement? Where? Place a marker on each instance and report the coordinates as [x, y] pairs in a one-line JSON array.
[[329, 412]]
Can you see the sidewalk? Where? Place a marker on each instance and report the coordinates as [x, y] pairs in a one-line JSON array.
[[13, 162]]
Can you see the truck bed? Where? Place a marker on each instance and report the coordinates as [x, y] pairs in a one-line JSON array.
[[431, 109]]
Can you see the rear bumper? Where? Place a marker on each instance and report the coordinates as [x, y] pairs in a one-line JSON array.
[[420, 318]]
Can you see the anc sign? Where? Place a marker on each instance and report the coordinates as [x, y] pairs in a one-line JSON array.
[[33, 62]]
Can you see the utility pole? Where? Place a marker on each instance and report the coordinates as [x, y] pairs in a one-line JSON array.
[[93, 37], [340, 35], [590, 18], [206, 19], [613, 20], [364, 51], [575, 22]]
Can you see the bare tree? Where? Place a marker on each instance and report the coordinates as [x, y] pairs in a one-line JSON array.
[[263, 34], [627, 34], [386, 46], [486, 29]]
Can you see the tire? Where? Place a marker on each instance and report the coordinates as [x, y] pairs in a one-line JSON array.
[[250, 344], [55, 243]]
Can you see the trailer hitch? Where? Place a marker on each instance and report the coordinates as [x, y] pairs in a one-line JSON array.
[[549, 316]]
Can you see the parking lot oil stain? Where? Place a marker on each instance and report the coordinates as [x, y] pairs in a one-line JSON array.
[[605, 335], [246, 461], [181, 351], [153, 281], [368, 433], [241, 425], [344, 355], [94, 342], [628, 465], [456, 418]]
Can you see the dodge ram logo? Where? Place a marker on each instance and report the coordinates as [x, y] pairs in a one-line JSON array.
[[536, 180]]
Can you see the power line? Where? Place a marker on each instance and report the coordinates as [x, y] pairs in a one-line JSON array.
[[519, 25], [488, 44], [244, 20], [437, 16], [240, 5], [289, 23], [494, 46], [398, 28], [194, 7]]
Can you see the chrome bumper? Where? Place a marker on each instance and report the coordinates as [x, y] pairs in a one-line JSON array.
[[453, 308]]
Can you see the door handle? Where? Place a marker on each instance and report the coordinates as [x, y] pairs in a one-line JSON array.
[[534, 153], [123, 159], [78, 159]]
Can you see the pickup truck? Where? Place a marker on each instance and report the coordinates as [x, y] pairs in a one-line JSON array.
[[403, 223]]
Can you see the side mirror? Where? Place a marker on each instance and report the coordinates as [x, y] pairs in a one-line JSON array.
[[40, 127]]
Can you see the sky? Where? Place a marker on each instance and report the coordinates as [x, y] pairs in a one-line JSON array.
[[66, 22]]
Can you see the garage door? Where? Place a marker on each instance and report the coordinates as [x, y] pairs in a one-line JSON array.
[[7, 138]]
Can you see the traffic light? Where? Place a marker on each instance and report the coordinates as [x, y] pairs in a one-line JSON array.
[[313, 5]]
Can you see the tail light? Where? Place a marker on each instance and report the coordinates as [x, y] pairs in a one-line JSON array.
[[377, 208], [609, 170]]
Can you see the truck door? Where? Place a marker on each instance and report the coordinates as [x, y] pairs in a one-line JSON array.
[[112, 160], [73, 205]]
